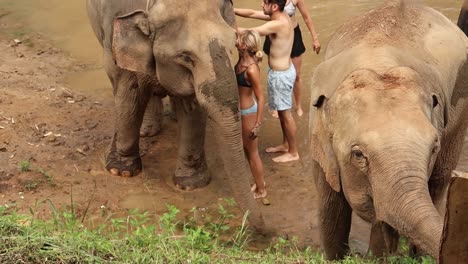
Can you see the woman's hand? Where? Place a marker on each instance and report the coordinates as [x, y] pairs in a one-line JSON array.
[[255, 131], [317, 46]]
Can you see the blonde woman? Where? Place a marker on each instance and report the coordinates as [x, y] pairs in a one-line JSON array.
[[298, 46], [248, 80]]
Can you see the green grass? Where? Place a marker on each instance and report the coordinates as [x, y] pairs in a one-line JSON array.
[[25, 165], [141, 237]]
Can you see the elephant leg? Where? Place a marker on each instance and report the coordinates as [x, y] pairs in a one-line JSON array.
[[383, 240], [191, 171], [130, 99], [152, 120], [334, 217]]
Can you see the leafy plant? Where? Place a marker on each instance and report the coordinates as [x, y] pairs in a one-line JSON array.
[[49, 178], [25, 165]]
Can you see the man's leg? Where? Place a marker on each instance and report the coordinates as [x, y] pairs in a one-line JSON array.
[[289, 131], [280, 148]]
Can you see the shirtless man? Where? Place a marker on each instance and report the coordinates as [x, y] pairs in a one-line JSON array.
[[281, 72]]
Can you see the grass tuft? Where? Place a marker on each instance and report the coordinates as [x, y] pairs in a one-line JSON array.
[[141, 237], [25, 166]]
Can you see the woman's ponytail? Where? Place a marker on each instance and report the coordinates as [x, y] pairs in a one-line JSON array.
[[259, 55]]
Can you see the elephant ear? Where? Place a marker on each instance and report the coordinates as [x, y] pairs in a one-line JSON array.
[[321, 147], [132, 44], [461, 85], [227, 12]]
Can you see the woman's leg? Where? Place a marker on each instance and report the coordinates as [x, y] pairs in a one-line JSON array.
[[251, 148], [297, 61]]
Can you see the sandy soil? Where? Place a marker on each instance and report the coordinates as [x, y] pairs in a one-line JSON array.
[[63, 135]]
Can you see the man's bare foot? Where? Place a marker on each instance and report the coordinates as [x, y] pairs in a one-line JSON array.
[[273, 113], [280, 148], [299, 112], [286, 158]]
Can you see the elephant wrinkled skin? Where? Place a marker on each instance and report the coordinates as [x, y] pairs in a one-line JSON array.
[[153, 48], [388, 116]]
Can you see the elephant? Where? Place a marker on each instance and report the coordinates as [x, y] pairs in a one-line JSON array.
[[462, 18], [185, 49], [388, 116]]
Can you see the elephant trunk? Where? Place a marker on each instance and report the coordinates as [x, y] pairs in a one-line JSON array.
[[220, 98], [403, 202], [230, 144]]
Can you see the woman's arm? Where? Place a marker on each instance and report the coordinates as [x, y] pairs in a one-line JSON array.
[[250, 13], [253, 75], [308, 21]]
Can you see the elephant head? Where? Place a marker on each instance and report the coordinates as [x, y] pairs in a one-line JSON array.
[[376, 137], [190, 47]]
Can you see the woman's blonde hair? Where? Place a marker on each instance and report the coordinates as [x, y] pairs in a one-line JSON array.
[[252, 40]]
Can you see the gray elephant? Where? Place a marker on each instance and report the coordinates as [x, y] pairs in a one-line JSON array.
[[185, 49], [463, 17], [387, 121]]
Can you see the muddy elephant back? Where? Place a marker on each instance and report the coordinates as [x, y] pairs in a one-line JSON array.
[[101, 14]]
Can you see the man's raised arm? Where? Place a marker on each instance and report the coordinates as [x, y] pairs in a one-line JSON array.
[[270, 27], [250, 13]]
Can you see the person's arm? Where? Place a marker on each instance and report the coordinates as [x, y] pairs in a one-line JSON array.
[[270, 27], [250, 13], [308, 21], [253, 75]]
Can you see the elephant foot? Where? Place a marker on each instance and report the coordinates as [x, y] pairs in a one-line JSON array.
[[191, 179], [191, 183], [123, 166], [149, 130]]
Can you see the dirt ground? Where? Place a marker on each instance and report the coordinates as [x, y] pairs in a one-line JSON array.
[[63, 135]]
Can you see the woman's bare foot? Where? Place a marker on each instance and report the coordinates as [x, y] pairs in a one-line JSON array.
[[280, 148], [253, 187], [260, 194], [286, 158]]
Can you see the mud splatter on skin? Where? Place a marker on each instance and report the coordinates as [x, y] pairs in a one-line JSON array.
[[222, 88]]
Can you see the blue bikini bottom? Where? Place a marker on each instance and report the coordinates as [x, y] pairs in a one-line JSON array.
[[251, 110]]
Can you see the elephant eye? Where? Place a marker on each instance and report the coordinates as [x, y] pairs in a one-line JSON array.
[[185, 58], [359, 159], [356, 152]]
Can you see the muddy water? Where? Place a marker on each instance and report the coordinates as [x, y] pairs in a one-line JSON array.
[[290, 185], [65, 22]]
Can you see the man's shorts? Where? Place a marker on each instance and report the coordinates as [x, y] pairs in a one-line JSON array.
[[280, 87]]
